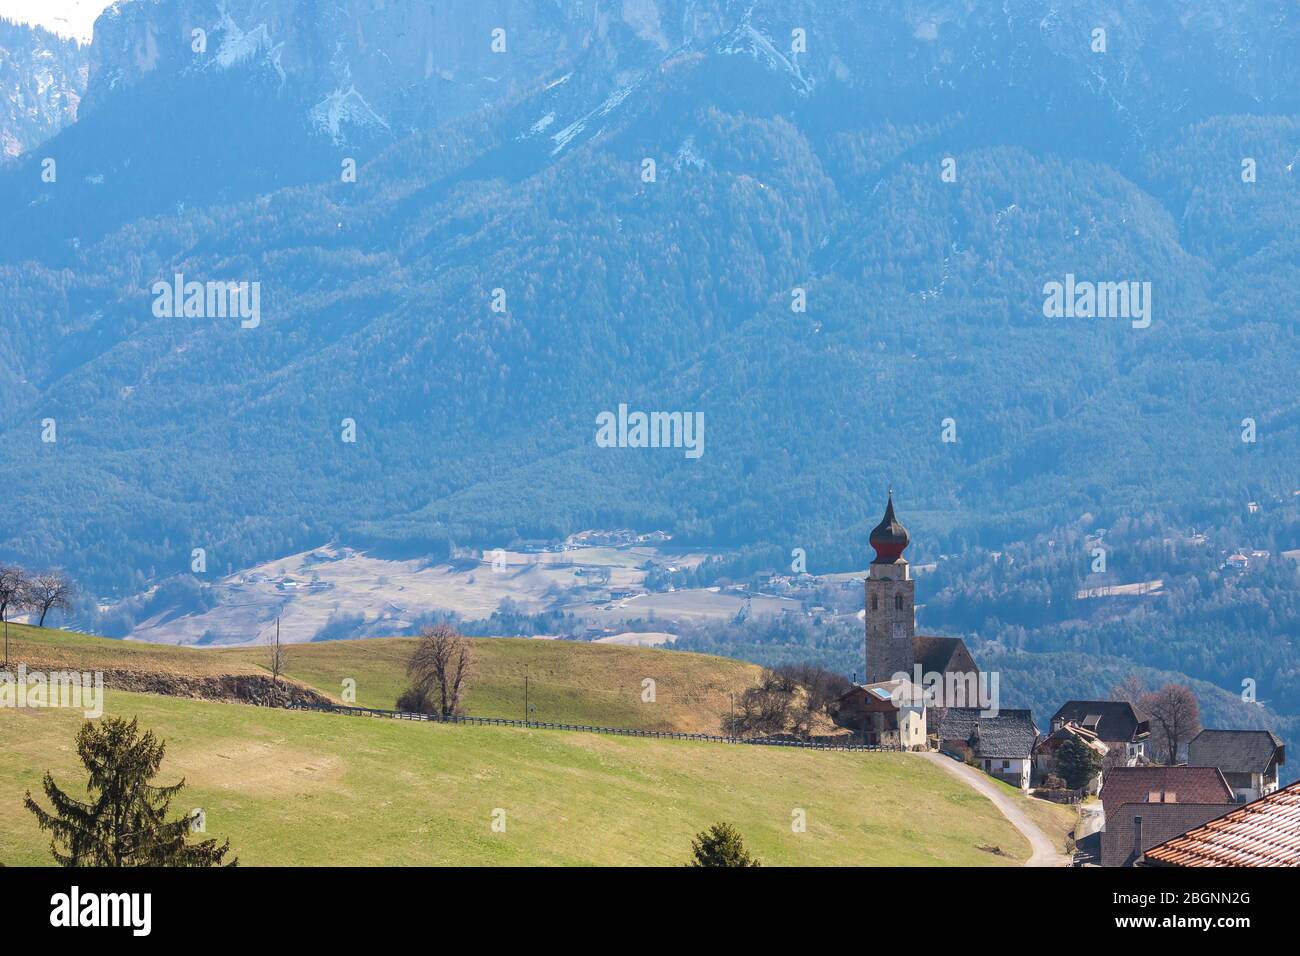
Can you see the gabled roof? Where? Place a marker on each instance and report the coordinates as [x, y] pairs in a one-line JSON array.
[[1235, 751], [1010, 735], [885, 694], [1108, 719], [1072, 731], [935, 653], [1123, 785], [1265, 832], [1160, 822]]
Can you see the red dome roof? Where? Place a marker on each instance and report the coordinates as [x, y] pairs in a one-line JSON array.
[[889, 538]]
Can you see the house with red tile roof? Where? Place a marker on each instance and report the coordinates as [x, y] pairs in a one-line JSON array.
[[1123, 785], [1265, 832], [1136, 827]]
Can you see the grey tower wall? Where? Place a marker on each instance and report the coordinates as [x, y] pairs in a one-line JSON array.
[[891, 631]]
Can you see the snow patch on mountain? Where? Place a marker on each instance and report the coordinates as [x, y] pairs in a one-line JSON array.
[[746, 40], [565, 136], [239, 45], [340, 109]]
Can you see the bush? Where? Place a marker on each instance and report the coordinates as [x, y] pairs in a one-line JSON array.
[[720, 845]]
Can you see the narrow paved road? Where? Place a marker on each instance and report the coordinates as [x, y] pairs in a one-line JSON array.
[[1045, 853]]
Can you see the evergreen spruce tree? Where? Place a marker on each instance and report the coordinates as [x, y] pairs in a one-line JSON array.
[[720, 845], [1078, 763], [124, 823]]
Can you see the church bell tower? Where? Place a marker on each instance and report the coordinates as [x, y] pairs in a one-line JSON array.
[[891, 602]]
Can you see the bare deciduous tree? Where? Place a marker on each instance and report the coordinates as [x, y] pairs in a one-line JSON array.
[[1176, 717], [277, 657], [1131, 689], [13, 588], [50, 591], [440, 666], [13, 593]]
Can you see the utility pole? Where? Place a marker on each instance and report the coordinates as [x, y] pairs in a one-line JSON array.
[[526, 695], [731, 724]]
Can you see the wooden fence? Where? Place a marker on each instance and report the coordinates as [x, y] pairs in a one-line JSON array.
[[584, 728]]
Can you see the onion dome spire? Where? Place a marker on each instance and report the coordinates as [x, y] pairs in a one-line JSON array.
[[889, 538]]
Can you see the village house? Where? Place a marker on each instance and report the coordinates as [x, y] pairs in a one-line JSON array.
[[1118, 724], [1047, 752], [1137, 827], [886, 714], [1200, 785], [1248, 759], [1002, 746], [1265, 832]]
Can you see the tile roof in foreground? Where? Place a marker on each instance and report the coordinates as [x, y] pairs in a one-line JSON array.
[[1265, 832]]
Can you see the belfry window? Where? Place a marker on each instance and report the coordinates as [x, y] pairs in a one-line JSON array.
[[898, 602], [875, 602]]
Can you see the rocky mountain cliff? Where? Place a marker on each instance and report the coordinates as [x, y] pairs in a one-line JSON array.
[[42, 80]]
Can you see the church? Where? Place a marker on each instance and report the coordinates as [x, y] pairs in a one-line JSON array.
[[892, 644], [897, 658]]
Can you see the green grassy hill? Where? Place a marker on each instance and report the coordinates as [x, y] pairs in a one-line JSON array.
[[296, 788], [303, 788]]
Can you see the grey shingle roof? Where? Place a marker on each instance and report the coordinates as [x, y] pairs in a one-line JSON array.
[[1119, 720], [1234, 751], [1011, 734]]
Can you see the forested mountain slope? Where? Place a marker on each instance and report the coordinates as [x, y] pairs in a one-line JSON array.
[[523, 171]]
